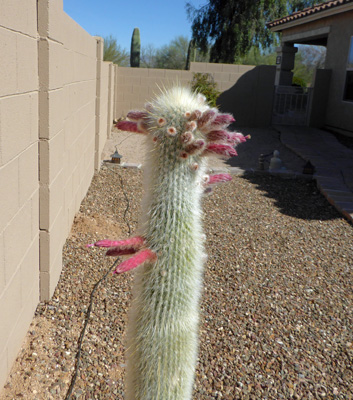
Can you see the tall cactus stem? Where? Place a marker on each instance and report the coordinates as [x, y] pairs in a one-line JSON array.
[[163, 323]]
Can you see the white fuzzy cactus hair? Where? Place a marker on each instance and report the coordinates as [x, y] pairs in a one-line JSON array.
[[181, 132]]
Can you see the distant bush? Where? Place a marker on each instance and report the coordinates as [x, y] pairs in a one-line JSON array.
[[298, 81], [205, 84]]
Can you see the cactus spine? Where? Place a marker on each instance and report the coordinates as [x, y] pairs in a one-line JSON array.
[[135, 48], [181, 131]]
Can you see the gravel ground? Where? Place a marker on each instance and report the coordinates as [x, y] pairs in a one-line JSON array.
[[277, 308]]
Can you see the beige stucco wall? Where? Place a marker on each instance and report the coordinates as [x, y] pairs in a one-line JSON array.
[[246, 91], [19, 188], [56, 111]]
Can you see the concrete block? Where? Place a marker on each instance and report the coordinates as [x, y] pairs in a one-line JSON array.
[[233, 77], [57, 26], [245, 68], [19, 16], [223, 86], [156, 73], [172, 74], [4, 368], [17, 239], [9, 198], [29, 270], [44, 286], [137, 71], [15, 130], [51, 242], [35, 214], [186, 75], [57, 65], [212, 68], [51, 200], [10, 308], [2, 264], [56, 104], [8, 61], [221, 76], [198, 67], [20, 329], [128, 88], [51, 153], [28, 173], [27, 63], [231, 68]]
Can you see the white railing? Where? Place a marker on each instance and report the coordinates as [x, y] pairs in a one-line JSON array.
[[291, 105]]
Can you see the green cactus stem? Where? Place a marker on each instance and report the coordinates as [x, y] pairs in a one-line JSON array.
[[135, 48], [181, 131]]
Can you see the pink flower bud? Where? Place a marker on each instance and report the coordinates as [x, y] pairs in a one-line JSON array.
[[206, 117], [136, 115], [195, 115], [220, 149], [195, 146], [222, 120], [236, 137], [142, 257], [186, 137], [191, 126], [219, 178], [128, 126], [221, 136]]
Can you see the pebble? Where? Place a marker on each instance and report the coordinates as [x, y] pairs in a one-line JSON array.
[[277, 306]]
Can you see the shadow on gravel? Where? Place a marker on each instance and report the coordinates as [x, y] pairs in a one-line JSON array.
[[297, 198]]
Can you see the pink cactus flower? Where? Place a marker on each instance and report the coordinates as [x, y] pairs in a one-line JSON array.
[[206, 117], [219, 178], [195, 146], [223, 120], [136, 115], [220, 149], [129, 126], [142, 257]]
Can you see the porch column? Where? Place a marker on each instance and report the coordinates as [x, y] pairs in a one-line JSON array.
[[285, 64]]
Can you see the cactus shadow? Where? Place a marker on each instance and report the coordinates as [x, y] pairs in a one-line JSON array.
[[295, 197]]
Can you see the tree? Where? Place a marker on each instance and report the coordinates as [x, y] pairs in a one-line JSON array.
[[148, 56], [114, 53], [234, 26], [173, 55]]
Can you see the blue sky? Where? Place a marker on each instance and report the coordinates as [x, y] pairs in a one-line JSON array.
[[159, 21]]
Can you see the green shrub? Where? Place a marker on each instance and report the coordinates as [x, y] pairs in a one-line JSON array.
[[298, 81], [205, 84]]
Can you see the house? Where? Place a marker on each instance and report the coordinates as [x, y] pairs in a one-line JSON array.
[[330, 102]]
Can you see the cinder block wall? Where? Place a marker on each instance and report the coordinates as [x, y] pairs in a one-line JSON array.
[[247, 91], [19, 188], [135, 86], [67, 130], [56, 111]]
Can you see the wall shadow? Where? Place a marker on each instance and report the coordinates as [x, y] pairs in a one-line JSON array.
[[298, 198], [250, 98]]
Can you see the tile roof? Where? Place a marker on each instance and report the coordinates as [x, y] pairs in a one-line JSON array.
[[308, 11]]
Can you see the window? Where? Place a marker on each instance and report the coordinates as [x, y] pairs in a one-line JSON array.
[[348, 87]]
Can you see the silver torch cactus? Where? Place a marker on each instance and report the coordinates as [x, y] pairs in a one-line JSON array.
[[181, 131]]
